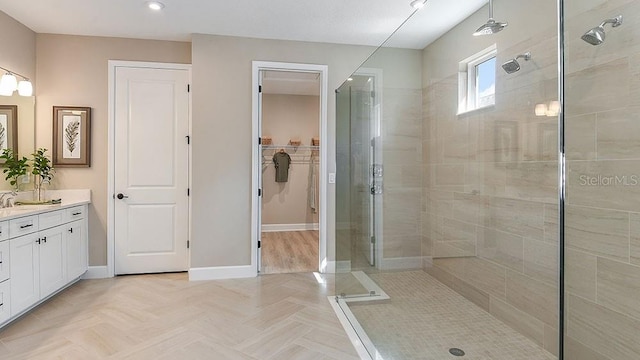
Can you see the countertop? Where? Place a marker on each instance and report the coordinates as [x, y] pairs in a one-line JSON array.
[[70, 198]]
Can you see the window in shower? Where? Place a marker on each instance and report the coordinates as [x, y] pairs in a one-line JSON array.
[[477, 81]]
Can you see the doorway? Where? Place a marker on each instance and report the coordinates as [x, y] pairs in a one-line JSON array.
[[289, 121], [149, 205]]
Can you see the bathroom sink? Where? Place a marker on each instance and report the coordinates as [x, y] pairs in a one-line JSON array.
[[31, 207]]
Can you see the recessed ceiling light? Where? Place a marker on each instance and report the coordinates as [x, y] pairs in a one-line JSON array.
[[155, 5], [417, 4]]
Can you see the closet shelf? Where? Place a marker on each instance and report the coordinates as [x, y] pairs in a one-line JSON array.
[[300, 147]]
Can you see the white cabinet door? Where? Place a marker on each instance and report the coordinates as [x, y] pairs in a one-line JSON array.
[[76, 249], [5, 301], [52, 260], [25, 272], [5, 261]]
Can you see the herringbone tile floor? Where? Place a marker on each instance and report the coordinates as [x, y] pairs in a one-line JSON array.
[[165, 316]]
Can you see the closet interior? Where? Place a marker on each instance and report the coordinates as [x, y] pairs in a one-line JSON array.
[[290, 113]]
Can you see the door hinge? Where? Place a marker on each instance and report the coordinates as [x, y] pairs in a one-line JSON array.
[[259, 88], [259, 244], [188, 244], [373, 239], [259, 141], [259, 192], [188, 87], [188, 139], [188, 192]]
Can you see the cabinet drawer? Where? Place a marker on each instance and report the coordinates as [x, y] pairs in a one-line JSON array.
[[4, 230], [22, 226], [5, 301], [51, 219], [4, 260], [75, 213]]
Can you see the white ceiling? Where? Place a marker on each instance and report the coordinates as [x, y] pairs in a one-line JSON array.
[[363, 22]]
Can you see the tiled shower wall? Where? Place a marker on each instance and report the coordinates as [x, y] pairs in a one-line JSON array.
[[603, 188], [490, 177], [490, 187]]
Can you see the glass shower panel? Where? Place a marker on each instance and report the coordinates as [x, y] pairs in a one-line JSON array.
[[466, 239], [602, 207]]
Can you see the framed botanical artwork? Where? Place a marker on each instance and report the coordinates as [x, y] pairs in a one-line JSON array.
[[71, 136], [9, 128]]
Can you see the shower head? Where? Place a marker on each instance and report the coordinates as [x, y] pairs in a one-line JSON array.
[[596, 36], [491, 26], [512, 65]]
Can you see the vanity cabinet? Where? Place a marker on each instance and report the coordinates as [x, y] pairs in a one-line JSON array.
[[49, 253]]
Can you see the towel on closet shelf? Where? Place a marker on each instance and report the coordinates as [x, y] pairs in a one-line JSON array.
[[282, 161], [312, 195]]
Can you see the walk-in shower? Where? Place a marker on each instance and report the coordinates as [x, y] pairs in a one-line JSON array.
[[491, 26], [512, 65], [509, 231], [596, 36]]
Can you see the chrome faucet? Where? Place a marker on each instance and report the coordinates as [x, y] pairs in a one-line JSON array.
[[6, 199]]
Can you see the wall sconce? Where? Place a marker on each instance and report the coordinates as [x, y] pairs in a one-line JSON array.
[[550, 109], [9, 83]]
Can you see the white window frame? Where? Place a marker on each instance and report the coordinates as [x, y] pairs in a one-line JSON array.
[[467, 80]]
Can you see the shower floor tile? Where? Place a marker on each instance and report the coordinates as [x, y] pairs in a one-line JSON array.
[[425, 318]]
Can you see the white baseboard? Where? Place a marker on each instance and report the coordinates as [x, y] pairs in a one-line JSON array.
[[222, 272], [96, 272], [402, 263], [343, 266], [289, 227]]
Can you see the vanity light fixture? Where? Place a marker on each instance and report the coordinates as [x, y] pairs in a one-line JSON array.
[[417, 4], [9, 83], [155, 5]]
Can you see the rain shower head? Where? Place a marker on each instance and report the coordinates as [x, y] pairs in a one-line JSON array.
[[596, 36], [491, 26], [512, 65]]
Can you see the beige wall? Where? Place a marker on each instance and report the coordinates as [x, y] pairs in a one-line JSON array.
[[286, 117], [18, 44], [221, 230], [72, 70]]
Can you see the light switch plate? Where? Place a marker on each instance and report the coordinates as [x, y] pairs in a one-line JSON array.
[[332, 178]]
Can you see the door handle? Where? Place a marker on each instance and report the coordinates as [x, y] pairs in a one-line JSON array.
[[26, 226], [121, 196], [71, 230], [44, 239], [38, 241]]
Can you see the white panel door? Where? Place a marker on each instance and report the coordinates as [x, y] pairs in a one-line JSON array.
[[151, 170]]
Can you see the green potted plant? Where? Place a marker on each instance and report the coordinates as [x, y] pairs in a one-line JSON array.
[[14, 167], [43, 172]]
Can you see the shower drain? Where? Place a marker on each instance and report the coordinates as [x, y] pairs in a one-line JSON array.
[[456, 352]]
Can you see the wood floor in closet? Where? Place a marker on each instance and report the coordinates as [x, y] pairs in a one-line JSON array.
[[289, 252]]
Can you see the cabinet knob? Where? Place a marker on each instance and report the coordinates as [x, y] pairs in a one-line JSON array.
[[44, 239], [71, 230], [38, 241]]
